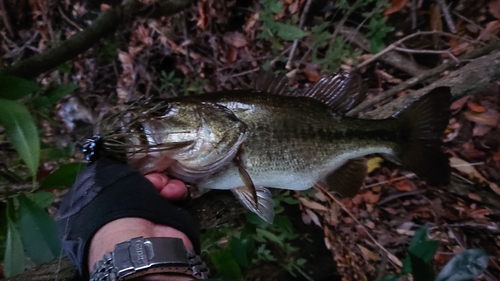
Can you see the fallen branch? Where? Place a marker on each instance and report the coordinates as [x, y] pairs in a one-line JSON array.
[[109, 21], [430, 75]]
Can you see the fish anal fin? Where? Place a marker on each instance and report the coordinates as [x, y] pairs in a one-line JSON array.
[[267, 81], [341, 92], [265, 201], [347, 179]]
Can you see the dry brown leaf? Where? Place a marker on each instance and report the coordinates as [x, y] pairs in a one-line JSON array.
[[403, 185], [466, 168], [458, 104], [492, 29], [367, 253], [311, 72], [490, 117], [480, 213], [313, 217], [480, 130], [474, 196], [203, 21], [494, 8], [235, 39], [396, 5], [313, 205], [251, 22], [477, 108]]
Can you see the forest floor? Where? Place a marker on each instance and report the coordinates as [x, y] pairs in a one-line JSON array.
[[220, 45]]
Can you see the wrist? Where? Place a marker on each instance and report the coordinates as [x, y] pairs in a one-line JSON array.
[[120, 230]]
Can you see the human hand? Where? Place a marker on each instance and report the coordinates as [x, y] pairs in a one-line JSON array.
[[170, 189]]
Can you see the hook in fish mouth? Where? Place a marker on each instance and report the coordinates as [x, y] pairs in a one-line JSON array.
[[93, 148]]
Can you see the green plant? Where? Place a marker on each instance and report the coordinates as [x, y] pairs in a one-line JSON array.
[[233, 251], [273, 30], [28, 231], [171, 85], [465, 266]]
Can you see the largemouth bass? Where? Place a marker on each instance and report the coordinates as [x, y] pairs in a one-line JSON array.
[[270, 137]]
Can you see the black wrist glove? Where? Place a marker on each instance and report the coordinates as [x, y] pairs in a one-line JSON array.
[[107, 190]]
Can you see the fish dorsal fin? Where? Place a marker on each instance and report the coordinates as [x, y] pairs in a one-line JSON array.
[[267, 81], [342, 92], [348, 179]]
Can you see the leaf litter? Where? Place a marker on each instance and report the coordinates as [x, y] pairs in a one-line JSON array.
[[217, 42]]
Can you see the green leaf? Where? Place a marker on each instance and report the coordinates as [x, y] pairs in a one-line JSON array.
[[225, 264], [48, 99], [14, 262], [238, 251], [62, 177], [270, 236], [255, 220], [20, 127], [42, 199], [284, 224], [466, 265], [421, 270], [38, 232], [14, 88], [420, 247], [289, 32]]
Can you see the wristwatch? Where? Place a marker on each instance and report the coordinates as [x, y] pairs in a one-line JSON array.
[[141, 256]]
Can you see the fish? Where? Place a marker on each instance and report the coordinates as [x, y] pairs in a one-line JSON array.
[[274, 136]]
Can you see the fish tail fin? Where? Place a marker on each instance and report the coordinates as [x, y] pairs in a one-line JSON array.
[[422, 125]]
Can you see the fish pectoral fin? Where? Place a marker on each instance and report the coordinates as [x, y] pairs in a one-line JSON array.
[[245, 177], [265, 202], [348, 179]]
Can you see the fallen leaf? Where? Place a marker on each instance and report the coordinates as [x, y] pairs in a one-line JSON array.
[[480, 213], [492, 29], [313, 217], [367, 253], [374, 163], [235, 39], [490, 117], [480, 130], [396, 5], [311, 72], [466, 168], [403, 185], [494, 8], [313, 205], [474, 196], [477, 108]]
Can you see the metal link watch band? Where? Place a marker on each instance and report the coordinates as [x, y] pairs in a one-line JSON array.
[[141, 256]]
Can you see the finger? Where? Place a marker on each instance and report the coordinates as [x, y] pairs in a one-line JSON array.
[[169, 189], [159, 180], [174, 190]]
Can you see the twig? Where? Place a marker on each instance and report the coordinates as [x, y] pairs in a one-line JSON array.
[[186, 40], [394, 45], [399, 195], [413, 14], [296, 41], [393, 58], [424, 77], [447, 16], [392, 257], [66, 18]]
